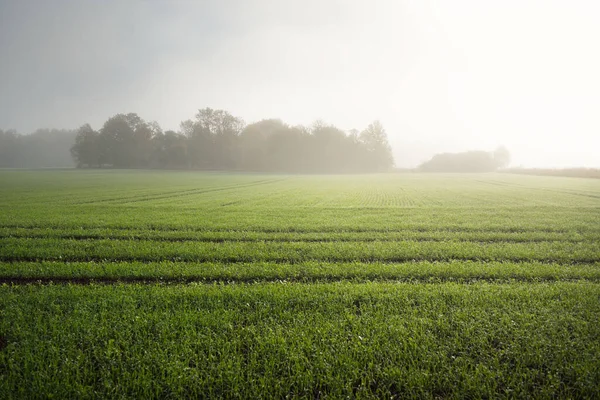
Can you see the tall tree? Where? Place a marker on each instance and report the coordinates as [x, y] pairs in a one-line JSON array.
[[86, 150], [143, 135], [288, 150], [253, 143], [200, 144], [328, 148], [223, 129], [11, 147], [169, 150], [501, 157], [379, 152], [125, 140], [117, 141]]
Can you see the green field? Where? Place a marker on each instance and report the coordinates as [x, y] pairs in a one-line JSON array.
[[169, 284]]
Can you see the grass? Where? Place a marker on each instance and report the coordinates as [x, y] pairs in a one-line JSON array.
[[278, 340], [180, 284], [310, 271], [368, 251]]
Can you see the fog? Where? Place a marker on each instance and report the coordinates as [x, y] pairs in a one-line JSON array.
[[440, 76]]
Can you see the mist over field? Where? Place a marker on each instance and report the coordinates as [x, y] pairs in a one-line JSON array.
[[299, 199], [155, 284], [440, 77]]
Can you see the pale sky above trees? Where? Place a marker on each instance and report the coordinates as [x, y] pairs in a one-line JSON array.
[[441, 76]]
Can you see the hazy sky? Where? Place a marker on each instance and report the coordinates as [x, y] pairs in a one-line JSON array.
[[440, 75]]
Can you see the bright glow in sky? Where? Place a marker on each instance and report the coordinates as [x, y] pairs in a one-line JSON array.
[[440, 75]]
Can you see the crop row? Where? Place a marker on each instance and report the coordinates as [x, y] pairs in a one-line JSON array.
[[310, 271], [277, 219], [148, 225], [356, 236], [291, 340], [26, 249]]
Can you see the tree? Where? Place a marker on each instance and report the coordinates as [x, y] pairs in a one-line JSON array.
[[219, 122], [48, 148], [215, 139], [200, 144], [501, 157], [288, 150], [169, 150], [86, 150], [253, 143], [143, 146], [379, 152], [223, 130], [117, 141], [469, 161], [11, 146], [328, 148], [125, 140]]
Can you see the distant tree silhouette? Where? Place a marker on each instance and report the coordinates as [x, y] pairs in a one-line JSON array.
[[502, 157], [43, 148], [253, 143], [379, 153], [470, 161], [170, 150], [124, 141], [86, 151], [11, 144], [213, 140], [117, 142]]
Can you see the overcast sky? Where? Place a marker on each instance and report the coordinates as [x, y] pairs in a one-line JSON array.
[[441, 76]]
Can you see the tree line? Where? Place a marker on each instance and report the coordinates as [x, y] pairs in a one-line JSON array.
[[217, 140], [43, 148], [468, 161]]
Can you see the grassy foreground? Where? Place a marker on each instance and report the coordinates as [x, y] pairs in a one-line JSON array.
[[117, 284], [278, 340]]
